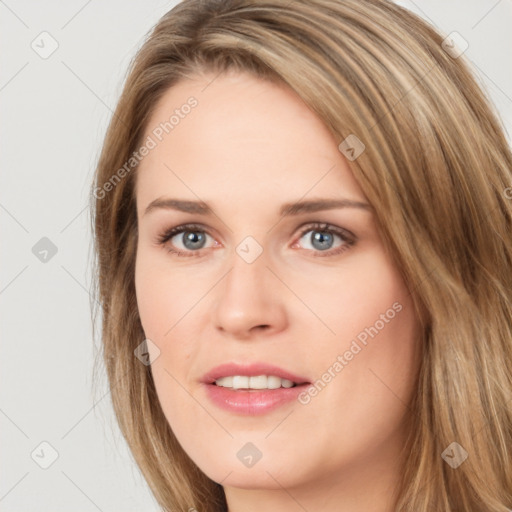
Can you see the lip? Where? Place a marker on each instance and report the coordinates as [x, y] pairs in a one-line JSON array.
[[251, 402]]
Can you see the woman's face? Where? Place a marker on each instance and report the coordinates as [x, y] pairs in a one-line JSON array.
[[268, 289]]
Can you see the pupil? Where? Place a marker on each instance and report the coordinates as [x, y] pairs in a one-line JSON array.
[[194, 239], [321, 238]]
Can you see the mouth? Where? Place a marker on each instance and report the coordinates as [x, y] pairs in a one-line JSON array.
[[252, 389]]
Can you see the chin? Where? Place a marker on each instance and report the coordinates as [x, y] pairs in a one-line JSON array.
[[251, 478]]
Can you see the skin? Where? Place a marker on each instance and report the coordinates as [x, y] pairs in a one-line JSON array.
[[248, 147]]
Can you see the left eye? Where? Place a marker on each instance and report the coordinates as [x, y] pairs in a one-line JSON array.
[[321, 239]]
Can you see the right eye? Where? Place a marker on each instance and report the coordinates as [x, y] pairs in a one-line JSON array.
[[193, 237]]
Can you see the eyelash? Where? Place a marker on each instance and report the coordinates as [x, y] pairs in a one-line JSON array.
[[346, 237]]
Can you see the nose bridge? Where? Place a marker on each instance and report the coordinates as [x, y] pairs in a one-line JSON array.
[[248, 275], [245, 300]]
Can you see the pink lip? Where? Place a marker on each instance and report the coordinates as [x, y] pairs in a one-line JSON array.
[[251, 402]]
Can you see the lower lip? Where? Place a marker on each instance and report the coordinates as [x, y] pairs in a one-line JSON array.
[[252, 402]]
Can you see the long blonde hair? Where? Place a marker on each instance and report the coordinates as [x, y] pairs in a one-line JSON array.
[[436, 168]]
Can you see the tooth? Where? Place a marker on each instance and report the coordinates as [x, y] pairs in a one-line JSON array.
[[259, 382], [240, 382], [273, 382], [226, 382], [286, 383], [256, 382]]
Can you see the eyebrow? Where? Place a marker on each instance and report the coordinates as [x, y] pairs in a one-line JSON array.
[[287, 209]]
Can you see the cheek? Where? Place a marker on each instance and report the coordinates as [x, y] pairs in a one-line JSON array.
[[351, 296], [162, 301], [374, 354], [165, 302], [147, 299], [163, 296]]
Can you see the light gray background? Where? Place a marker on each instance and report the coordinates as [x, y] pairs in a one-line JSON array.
[[54, 113]]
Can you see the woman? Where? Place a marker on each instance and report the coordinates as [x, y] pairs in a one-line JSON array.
[[302, 216]]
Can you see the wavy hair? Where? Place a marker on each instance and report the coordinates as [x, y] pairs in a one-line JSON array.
[[436, 168]]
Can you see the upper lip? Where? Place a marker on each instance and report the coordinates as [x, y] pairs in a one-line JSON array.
[[251, 370]]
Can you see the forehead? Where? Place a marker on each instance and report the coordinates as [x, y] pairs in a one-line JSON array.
[[243, 137]]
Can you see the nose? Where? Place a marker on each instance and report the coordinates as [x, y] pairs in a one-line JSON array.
[[249, 300]]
